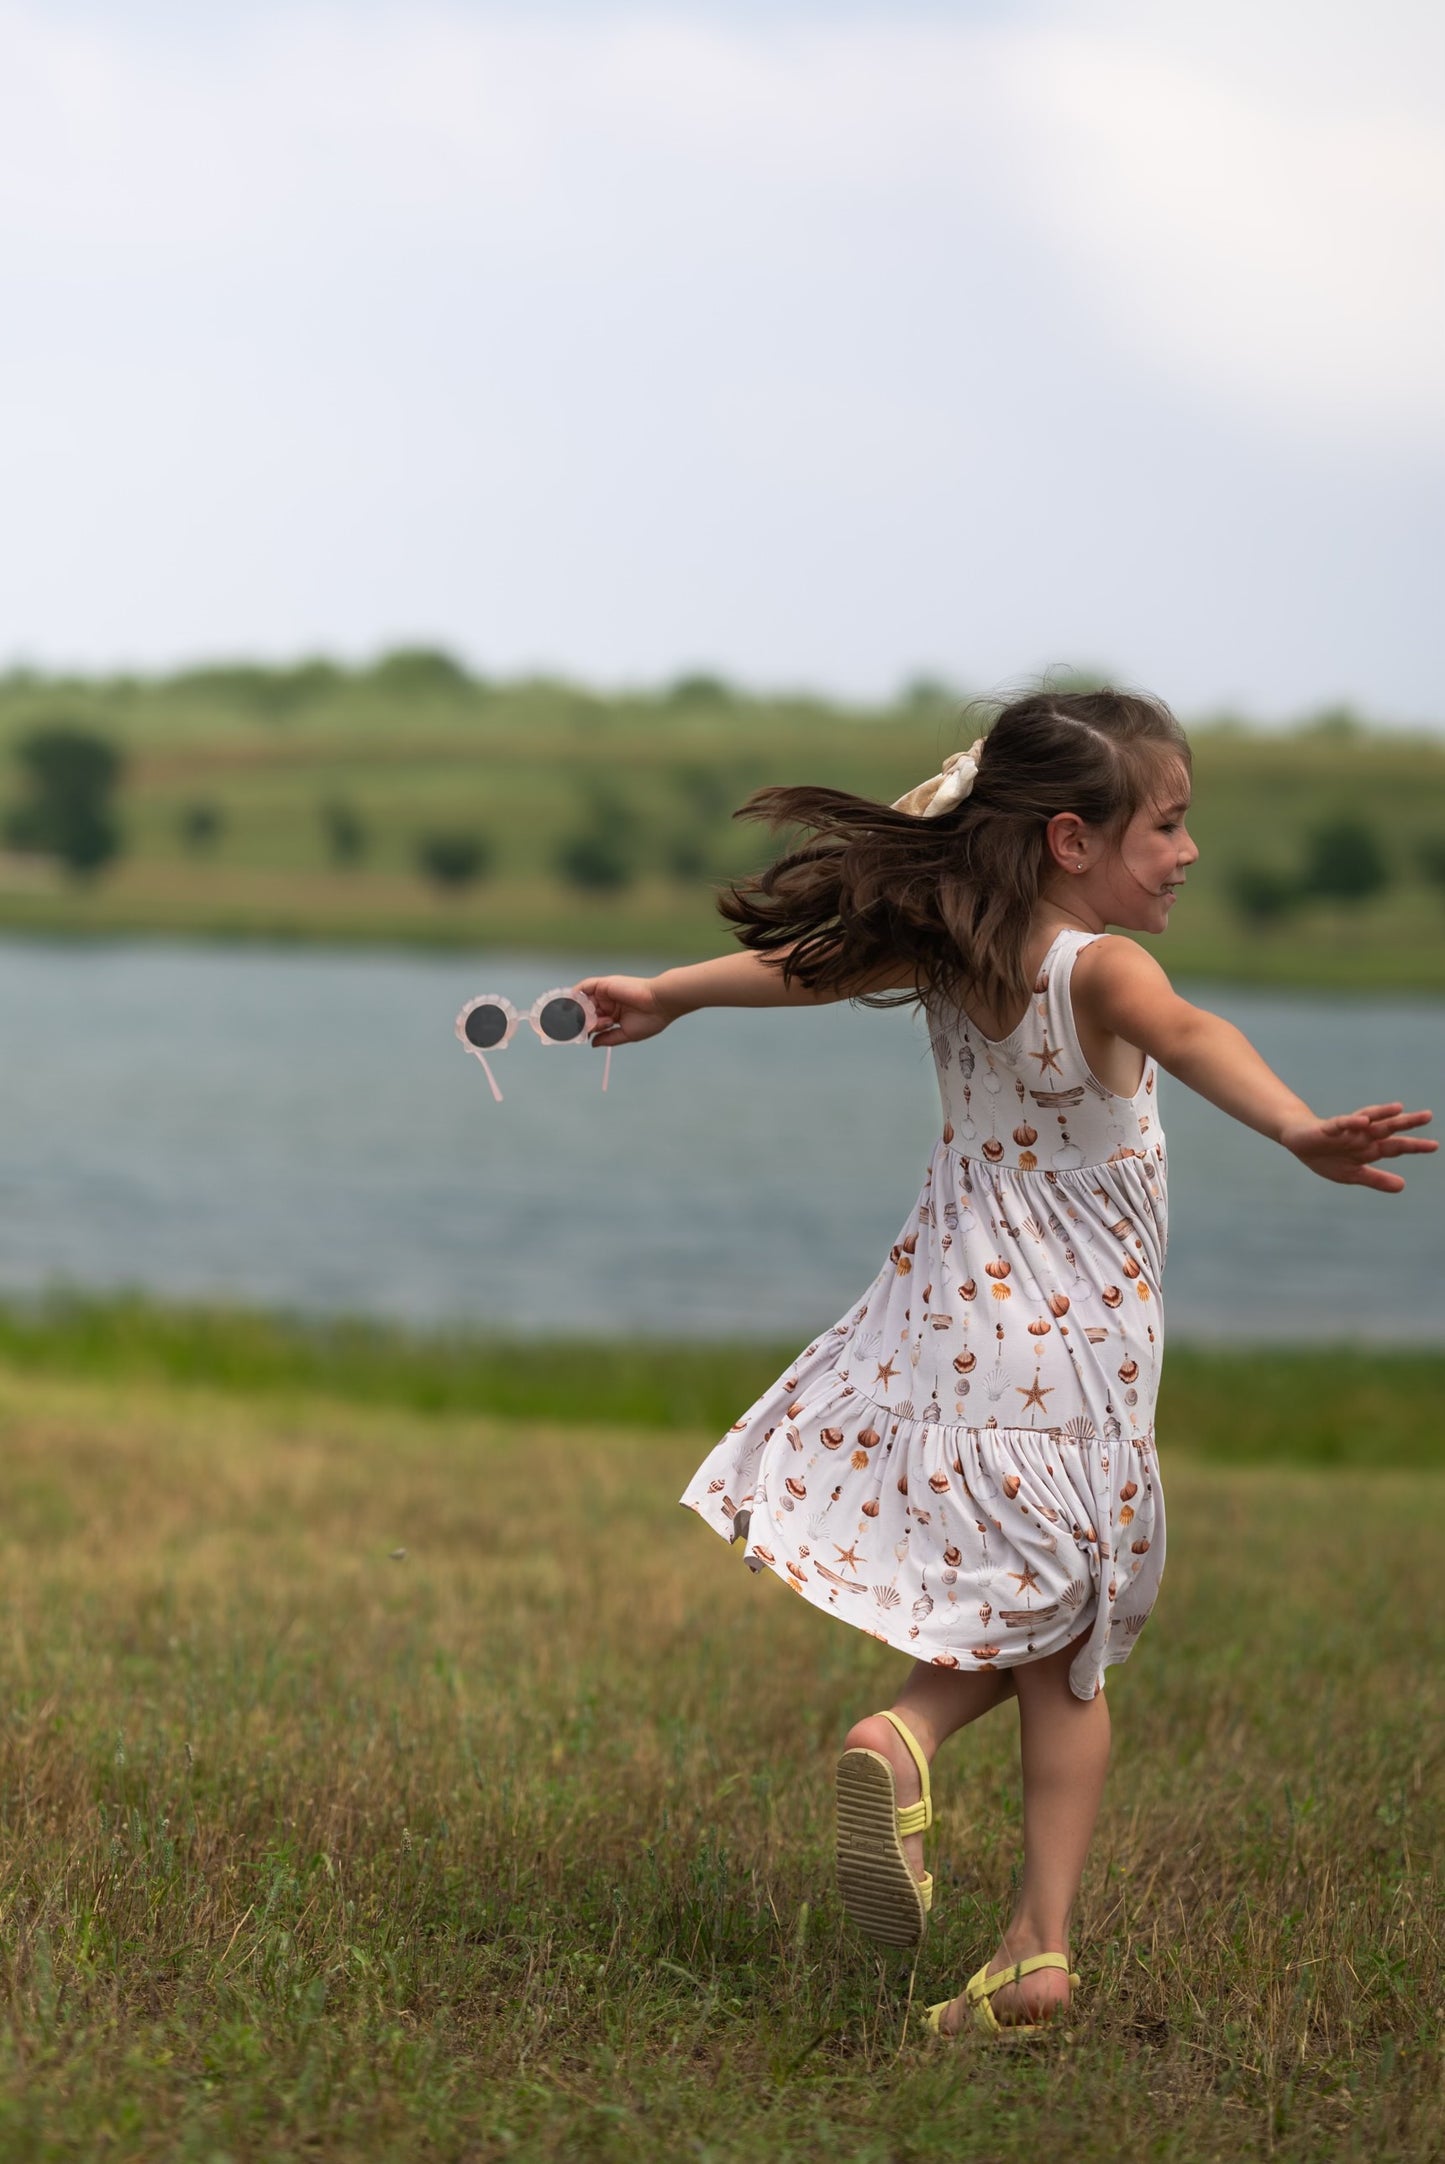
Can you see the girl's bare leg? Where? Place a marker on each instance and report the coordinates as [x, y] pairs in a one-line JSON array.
[[933, 1703], [1064, 1744]]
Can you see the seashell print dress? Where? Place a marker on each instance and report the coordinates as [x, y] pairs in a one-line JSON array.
[[964, 1465]]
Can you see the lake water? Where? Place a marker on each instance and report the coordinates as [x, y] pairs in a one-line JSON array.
[[301, 1130]]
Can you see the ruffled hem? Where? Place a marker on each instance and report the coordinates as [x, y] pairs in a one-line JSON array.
[[923, 1648], [974, 1548]]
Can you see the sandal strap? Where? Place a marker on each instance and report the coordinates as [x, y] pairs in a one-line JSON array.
[[980, 1989], [913, 1817]]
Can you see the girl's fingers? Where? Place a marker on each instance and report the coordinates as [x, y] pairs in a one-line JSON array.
[[1387, 1183]]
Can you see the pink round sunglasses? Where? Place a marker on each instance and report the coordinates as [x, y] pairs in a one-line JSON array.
[[564, 1015]]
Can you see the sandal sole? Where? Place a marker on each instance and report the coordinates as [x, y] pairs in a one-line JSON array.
[[878, 1890]]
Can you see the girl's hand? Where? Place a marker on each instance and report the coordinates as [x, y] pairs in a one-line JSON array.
[[1348, 1148], [628, 1009]]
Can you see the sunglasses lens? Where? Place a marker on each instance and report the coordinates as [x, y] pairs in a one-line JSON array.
[[562, 1020], [486, 1026]]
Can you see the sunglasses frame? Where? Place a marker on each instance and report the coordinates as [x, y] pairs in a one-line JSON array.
[[533, 1017]]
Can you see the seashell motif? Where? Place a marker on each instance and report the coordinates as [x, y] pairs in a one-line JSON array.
[[1111, 1296], [831, 1438], [1112, 1429], [1040, 1328], [1011, 1484], [1025, 1136], [1129, 1490], [1139, 1547], [870, 1508], [1058, 1303], [1143, 1291], [1073, 1593], [1027, 1161], [797, 1573], [939, 1483], [998, 1268], [795, 1408], [902, 1483], [766, 1554], [1126, 1514], [1129, 1371], [888, 1596], [984, 1653], [869, 1438], [795, 1439], [945, 1660], [922, 1607], [968, 1290], [858, 1460], [1129, 1266], [1131, 1397], [714, 1487], [1079, 1430], [992, 1150], [952, 1556], [985, 1610], [910, 1244], [965, 1362], [948, 1131], [795, 1486]]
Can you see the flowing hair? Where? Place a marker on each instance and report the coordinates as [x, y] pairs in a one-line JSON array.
[[950, 899]]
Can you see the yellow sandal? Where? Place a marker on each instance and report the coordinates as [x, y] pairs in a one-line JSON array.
[[979, 1991], [877, 1886]]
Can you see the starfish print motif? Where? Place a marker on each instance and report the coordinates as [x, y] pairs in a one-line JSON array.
[[886, 1371], [848, 1557], [1049, 1057], [1025, 1579], [1035, 1394]]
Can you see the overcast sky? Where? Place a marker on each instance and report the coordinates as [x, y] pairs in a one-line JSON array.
[[812, 343]]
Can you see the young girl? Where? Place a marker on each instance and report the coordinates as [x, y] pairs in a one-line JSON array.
[[964, 1466]]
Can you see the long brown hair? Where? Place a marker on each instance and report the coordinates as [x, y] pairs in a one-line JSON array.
[[952, 897]]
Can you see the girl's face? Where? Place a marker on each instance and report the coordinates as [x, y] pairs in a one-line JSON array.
[[1132, 883]]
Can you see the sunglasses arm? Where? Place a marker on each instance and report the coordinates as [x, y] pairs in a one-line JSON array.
[[486, 1070]]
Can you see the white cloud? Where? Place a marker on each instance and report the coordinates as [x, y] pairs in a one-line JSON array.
[[640, 338], [1284, 253]]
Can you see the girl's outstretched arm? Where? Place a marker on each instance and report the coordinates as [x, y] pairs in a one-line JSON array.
[[1121, 991], [631, 1009]]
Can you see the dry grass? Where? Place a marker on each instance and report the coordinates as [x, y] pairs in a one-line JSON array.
[[518, 1845]]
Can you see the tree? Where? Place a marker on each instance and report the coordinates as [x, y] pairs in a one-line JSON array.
[[600, 855], [420, 672], [345, 833], [1344, 862], [71, 776], [454, 858], [700, 687], [1260, 895], [1430, 856], [595, 860], [201, 826]]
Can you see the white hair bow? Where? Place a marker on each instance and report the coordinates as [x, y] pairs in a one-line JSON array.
[[942, 791]]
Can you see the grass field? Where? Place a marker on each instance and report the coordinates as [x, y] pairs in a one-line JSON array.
[[528, 765], [516, 1844]]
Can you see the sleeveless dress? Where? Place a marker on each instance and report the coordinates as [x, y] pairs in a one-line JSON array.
[[964, 1465]]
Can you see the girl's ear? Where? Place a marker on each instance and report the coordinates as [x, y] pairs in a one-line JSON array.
[[1068, 839]]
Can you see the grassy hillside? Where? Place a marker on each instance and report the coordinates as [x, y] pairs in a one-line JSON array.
[[379, 1787], [1364, 1408], [242, 789]]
